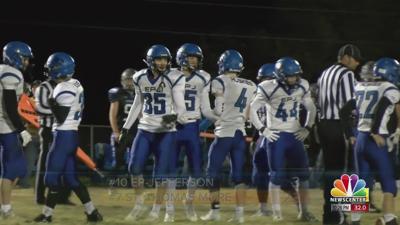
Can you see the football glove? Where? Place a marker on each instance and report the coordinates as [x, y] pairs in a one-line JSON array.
[[302, 134], [169, 120], [123, 140], [393, 140], [270, 134], [25, 137]]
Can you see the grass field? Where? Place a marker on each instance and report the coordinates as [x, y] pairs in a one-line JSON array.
[[116, 206]]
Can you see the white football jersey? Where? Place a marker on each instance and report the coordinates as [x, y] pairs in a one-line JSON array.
[[70, 93], [157, 95], [237, 95], [10, 79], [282, 104], [197, 84], [368, 95]]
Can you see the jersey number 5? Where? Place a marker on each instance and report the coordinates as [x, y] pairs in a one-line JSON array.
[[190, 97]]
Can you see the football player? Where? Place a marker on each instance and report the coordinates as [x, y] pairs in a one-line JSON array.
[[375, 101], [121, 99], [66, 104], [260, 174], [16, 58], [189, 58], [46, 121], [283, 97], [260, 177], [160, 98], [232, 98]]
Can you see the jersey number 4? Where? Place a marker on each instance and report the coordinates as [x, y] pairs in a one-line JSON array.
[[154, 105], [281, 112], [241, 102]]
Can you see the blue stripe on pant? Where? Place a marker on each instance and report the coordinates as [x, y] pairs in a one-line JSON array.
[[287, 154], [371, 159], [260, 174], [220, 148], [162, 145], [13, 163], [61, 160], [188, 137]]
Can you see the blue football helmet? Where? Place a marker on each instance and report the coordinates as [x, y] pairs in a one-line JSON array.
[[287, 67], [388, 69], [186, 50], [157, 51], [60, 65], [266, 71], [230, 61], [14, 52]]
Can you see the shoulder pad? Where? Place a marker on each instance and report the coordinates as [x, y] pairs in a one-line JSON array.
[[114, 94], [204, 73]]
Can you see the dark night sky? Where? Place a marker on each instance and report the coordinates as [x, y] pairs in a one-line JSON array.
[[105, 38]]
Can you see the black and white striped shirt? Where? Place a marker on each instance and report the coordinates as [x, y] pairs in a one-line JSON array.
[[336, 87], [42, 94]]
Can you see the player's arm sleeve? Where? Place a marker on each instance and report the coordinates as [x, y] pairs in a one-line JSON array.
[[390, 97], [259, 101], [218, 89], [10, 82], [178, 94], [205, 105], [61, 104], [345, 117], [136, 108], [311, 109], [42, 94]]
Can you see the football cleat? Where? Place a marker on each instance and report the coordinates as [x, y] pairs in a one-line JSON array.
[[42, 219], [211, 216], [95, 216]]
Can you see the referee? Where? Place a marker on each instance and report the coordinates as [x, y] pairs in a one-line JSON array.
[[336, 87]]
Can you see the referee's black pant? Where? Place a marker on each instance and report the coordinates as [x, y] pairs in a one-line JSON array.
[[335, 158], [46, 138]]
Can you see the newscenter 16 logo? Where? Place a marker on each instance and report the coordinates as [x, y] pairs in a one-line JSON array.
[[349, 194]]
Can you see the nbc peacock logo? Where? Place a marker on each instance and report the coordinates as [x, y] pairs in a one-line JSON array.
[[350, 194], [349, 186]]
